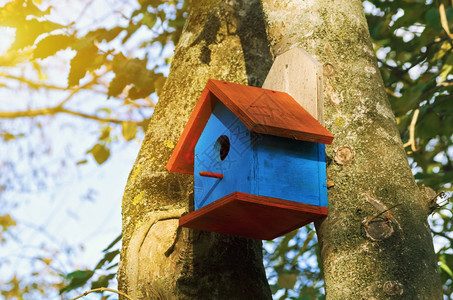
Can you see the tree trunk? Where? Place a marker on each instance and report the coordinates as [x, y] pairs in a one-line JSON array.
[[222, 41], [367, 251]]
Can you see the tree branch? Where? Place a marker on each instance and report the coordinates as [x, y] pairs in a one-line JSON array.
[[56, 110], [33, 84], [411, 141], [103, 290]]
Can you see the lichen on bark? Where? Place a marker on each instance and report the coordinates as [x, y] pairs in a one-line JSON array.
[[221, 40], [235, 41], [378, 175]]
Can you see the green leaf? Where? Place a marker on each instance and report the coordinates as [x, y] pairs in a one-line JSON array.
[[432, 18], [102, 281], [131, 29], [103, 34], [13, 13], [119, 63], [149, 19], [445, 268], [445, 71], [51, 45], [445, 48], [287, 280], [159, 83], [81, 63], [139, 91], [105, 133], [129, 130], [29, 30], [117, 85], [108, 257], [77, 279], [116, 240], [100, 153]]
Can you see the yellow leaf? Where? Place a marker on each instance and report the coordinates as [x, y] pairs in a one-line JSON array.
[[47, 261], [129, 130], [287, 280], [446, 69], [7, 221]]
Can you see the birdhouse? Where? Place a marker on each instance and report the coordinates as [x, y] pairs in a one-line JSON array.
[[258, 161]]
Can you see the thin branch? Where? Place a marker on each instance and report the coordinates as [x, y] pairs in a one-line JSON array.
[[411, 141], [103, 290], [36, 85], [420, 59], [55, 110], [33, 84], [100, 119], [444, 22], [446, 83], [84, 9], [81, 87], [391, 93], [442, 234]]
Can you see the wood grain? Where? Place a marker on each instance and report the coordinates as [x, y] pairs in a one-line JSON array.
[[261, 110], [252, 216]]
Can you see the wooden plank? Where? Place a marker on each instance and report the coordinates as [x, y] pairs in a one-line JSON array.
[[269, 112], [261, 110], [182, 157], [235, 167], [289, 170], [300, 75], [252, 216]]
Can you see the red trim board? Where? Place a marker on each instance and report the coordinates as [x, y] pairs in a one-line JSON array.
[[252, 216]]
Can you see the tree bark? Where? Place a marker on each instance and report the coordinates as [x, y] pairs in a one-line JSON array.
[[222, 40], [367, 252]]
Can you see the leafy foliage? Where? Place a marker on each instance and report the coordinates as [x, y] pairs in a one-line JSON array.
[[106, 267], [414, 46], [124, 61], [413, 42]]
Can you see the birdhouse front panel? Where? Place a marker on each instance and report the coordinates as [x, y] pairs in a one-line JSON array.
[[224, 148], [290, 170], [258, 161]]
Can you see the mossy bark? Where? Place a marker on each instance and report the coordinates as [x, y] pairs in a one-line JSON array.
[[388, 256], [365, 254], [221, 40]]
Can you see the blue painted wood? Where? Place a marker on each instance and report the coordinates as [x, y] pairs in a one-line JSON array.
[[290, 170], [322, 175], [262, 165], [236, 165]]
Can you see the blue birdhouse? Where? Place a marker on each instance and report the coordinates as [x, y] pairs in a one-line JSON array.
[[258, 161]]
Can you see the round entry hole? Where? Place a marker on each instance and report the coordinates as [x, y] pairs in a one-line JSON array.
[[222, 146]]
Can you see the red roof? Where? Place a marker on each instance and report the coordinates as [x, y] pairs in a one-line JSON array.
[[261, 110]]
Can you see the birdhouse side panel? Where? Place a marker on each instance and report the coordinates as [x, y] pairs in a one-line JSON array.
[[322, 173], [224, 148], [290, 170]]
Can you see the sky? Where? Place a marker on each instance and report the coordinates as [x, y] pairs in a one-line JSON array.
[[65, 211]]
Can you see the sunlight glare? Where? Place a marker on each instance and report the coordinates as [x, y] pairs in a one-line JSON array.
[[7, 35]]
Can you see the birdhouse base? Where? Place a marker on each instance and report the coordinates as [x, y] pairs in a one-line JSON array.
[[252, 216]]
